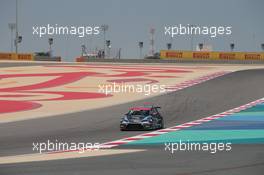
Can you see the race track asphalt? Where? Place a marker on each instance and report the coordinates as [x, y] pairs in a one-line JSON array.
[[101, 125], [243, 160]]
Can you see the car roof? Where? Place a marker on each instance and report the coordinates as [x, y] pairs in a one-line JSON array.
[[141, 108]]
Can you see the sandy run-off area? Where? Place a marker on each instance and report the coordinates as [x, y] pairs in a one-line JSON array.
[[50, 90]]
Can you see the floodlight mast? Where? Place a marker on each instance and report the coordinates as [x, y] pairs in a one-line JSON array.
[[232, 46], [104, 28], [192, 26], [140, 44], [16, 40], [201, 46], [50, 41], [11, 26], [151, 42], [108, 44], [169, 46], [262, 47]]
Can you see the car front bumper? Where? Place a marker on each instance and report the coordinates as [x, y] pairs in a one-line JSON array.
[[135, 126]]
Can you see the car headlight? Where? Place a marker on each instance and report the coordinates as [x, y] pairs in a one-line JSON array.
[[147, 119], [124, 119]]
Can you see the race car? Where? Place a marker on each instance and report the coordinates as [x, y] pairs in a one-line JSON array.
[[145, 117]]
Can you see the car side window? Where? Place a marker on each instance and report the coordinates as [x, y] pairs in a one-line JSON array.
[[155, 110]]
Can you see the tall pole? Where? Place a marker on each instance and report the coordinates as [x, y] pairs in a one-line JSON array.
[[12, 27], [191, 42], [11, 40], [191, 36], [50, 43], [171, 40], [140, 44], [104, 41], [16, 40], [151, 51], [104, 28]]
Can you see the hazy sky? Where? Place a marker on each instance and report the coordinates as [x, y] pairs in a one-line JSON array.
[[129, 22]]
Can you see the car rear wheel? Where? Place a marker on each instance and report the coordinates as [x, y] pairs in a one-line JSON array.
[[162, 124]]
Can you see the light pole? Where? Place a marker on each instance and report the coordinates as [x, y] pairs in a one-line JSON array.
[[169, 46], [262, 46], [12, 26], [108, 44], [171, 40], [232, 47], [192, 36], [140, 44], [201, 46], [151, 51], [50, 43], [84, 53], [16, 40], [104, 28]]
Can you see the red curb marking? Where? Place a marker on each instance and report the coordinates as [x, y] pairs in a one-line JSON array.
[[115, 143], [199, 80], [132, 138], [167, 130], [188, 124], [149, 134], [177, 127]]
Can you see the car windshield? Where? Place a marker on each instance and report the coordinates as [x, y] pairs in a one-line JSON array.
[[139, 112]]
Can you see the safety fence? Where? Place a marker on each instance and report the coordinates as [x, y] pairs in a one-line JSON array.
[[26, 57], [178, 54]]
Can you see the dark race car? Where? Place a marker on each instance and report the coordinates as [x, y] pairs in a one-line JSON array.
[[142, 118]]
